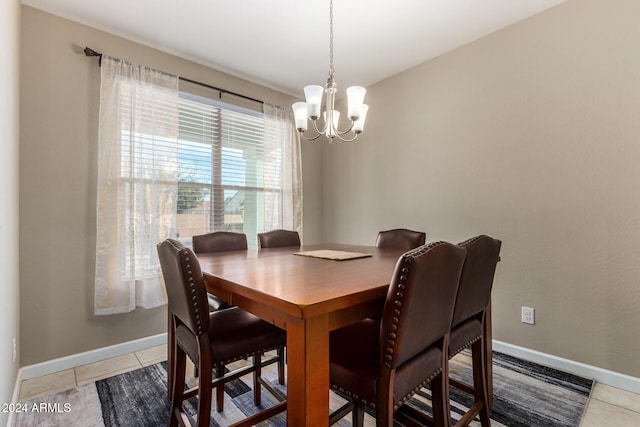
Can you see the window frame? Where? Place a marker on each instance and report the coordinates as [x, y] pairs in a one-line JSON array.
[[216, 187]]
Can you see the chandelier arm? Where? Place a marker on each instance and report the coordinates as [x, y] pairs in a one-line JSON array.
[[309, 138], [345, 131], [315, 126], [339, 136]]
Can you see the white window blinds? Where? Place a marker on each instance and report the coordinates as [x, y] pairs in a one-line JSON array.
[[231, 174]]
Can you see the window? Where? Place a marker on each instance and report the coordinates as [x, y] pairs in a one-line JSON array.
[[229, 176], [172, 164]]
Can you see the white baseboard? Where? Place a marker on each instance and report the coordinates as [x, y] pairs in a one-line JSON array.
[[603, 376], [614, 379], [75, 360]]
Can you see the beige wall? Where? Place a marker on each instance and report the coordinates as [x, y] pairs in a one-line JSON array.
[[58, 159], [9, 127], [530, 135]]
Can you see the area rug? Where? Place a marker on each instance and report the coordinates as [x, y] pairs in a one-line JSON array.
[[525, 394]]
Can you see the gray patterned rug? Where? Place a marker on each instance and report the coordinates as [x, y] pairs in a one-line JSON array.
[[526, 394]]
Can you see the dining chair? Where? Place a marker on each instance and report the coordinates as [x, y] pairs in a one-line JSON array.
[[383, 364], [278, 238], [400, 238], [468, 323], [223, 241], [210, 339], [218, 241]]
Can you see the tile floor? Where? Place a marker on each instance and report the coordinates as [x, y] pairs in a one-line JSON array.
[[608, 406]]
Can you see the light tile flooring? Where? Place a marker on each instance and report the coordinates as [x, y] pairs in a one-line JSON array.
[[608, 406], [70, 378]]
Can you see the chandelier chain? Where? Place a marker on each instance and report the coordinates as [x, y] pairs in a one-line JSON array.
[[331, 69]]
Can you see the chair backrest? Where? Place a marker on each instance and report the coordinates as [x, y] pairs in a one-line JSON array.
[[419, 304], [184, 282], [476, 281], [219, 241], [401, 238], [278, 238]]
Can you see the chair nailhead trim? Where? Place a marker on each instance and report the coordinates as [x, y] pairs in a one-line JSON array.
[[192, 286], [399, 296], [246, 356], [228, 361], [470, 241], [353, 396], [416, 389], [467, 345]]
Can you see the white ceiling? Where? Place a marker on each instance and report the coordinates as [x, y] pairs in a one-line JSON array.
[[284, 44]]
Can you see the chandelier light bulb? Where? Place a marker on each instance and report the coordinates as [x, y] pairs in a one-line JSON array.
[[300, 113], [313, 94], [358, 126], [355, 99]]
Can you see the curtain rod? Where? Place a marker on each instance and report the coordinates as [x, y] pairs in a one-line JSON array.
[[90, 52]]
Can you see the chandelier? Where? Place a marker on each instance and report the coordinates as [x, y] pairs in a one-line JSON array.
[[310, 110]]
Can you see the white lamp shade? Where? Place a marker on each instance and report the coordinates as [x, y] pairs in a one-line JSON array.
[[332, 124], [300, 113], [358, 125], [355, 97], [313, 95]]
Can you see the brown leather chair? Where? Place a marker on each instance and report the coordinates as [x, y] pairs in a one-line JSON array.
[[401, 238], [382, 364], [218, 241], [223, 241], [210, 339], [468, 323], [278, 238]]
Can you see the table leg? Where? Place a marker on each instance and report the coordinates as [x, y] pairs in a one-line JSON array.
[[308, 372]]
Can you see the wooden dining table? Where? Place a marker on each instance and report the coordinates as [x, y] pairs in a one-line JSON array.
[[308, 297]]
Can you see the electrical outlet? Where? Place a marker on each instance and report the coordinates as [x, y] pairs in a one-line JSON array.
[[528, 315], [14, 350]]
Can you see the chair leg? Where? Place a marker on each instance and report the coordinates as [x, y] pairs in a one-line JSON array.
[[257, 372], [487, 352], [171, 346], [204, 393], [281, 356], [220, 389], [440, 399], [357, 416], [176, 384], [480, 391]]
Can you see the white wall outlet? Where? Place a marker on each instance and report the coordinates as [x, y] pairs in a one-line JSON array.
[[528, 315], [14, 350]]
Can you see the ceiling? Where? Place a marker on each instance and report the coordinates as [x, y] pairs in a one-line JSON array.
[[284, 44]]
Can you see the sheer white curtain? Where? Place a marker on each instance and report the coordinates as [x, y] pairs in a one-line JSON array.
[[282, 141], [137, 184]]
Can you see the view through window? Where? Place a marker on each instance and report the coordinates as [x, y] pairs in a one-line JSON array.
[[228, 175]]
